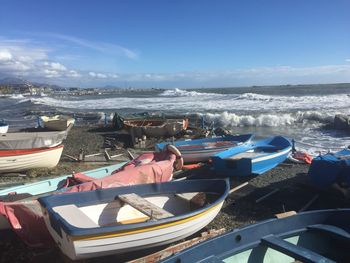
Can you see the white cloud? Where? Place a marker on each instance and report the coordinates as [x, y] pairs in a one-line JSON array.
[[97, 75], [5, 56], [347, 60], [113, 76]]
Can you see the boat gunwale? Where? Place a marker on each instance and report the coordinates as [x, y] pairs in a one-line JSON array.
[[300, 222], [169, 188], [20, 152], [230, 138]]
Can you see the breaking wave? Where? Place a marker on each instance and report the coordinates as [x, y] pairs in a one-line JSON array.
[[227, 119], [186, 93]]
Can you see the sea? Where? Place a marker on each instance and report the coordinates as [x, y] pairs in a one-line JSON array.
[[302, 113]]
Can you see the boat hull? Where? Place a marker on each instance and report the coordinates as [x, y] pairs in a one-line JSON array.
[[30, 140], [200, 150], [57, 123], [147, 238], [4, 128], [254, 158], [22, 160], [331, 168], [105, 226], [316, 236], [155, 128]]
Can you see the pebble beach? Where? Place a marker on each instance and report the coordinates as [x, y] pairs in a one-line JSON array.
[[284, 188]]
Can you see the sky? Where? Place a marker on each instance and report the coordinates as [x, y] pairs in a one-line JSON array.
[[175, 44]]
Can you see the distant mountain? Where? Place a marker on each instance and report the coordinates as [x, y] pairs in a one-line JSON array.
[[13, 81]]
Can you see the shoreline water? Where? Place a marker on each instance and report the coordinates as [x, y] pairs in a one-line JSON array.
[[302, 113], [240, 208]]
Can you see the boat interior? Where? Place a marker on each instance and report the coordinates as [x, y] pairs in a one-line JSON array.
[[131, 208], [254, 153]]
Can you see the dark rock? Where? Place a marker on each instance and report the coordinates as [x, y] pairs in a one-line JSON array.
[[342, 122]]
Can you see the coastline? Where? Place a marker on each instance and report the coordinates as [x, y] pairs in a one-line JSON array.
[[241, 207]]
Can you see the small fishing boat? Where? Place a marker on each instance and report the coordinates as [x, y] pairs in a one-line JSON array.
[[155, 128], [3, 126], [19, 192], [22, 160], [20, 210], [253, 158], [316, 236], [330, 168], [199, 150], [124, 219], [30, 140], [53, 184], [57, 122]]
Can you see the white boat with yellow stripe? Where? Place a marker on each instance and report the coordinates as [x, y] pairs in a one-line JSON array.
[[124, 219]]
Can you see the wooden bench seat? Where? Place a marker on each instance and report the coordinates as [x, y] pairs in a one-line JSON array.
[[144, 206]]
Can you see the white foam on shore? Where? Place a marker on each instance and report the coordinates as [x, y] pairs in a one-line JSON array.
[[204, 103]]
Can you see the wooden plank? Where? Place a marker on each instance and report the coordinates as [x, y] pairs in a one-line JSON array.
[[169, 251], [285, 214], [144, 206]]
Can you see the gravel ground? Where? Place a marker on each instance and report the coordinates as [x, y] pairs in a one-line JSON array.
[[240, 208]]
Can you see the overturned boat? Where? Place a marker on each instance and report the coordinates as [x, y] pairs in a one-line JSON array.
[[199, 150], [118, 220], [330, 168], [253, 158], [30, 140]]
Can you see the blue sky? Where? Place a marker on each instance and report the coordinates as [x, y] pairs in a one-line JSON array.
[[175, 43]]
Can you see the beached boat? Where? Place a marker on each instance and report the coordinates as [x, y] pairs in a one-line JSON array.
[[155, 128], [330, 168], [199, 150], [57, 122], [30, 140], [22, 160], [20, 210], [19, 192], [3, 126], [252, 158], [53, 184], [118, 220], [316, 236]]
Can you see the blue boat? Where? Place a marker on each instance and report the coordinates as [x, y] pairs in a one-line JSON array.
[[130, 218], [200, 150], [316, 236], [253, 158], [331, 168]]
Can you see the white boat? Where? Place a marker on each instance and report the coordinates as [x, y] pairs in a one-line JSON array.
[[57, 122], [30, 140], [22, 160], [124, 219], [3, 126]]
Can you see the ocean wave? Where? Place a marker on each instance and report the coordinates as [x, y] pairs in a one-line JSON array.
[[227, 119], [185, 93]]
